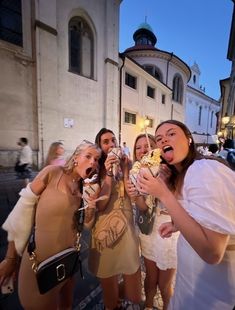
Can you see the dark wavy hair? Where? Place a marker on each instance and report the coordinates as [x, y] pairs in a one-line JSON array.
[[193, 154], [98, 142]]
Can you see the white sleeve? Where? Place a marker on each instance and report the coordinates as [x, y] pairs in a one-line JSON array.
[[209, 195], [20, 221]]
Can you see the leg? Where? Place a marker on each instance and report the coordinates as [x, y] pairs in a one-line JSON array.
[[151, 280], [132, 287], [110, 292], [165, 285], [66, 296]]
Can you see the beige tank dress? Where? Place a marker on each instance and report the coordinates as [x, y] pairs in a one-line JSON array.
[[53, 233]]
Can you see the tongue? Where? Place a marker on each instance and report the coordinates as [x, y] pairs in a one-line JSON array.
[[168, 156]]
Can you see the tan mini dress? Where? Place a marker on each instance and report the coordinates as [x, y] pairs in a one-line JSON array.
[[53, 233], [123, 257]]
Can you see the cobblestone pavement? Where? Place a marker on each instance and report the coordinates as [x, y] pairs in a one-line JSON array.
[[87, 292]]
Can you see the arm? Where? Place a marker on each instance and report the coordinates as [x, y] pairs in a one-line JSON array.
[[209, 245]]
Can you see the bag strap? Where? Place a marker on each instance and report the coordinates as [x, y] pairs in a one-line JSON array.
[[121, 193]]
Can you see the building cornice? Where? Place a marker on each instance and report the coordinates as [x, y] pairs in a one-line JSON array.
[[159, 54]]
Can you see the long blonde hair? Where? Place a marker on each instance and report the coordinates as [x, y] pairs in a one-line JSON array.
[[69, 165], [52, 152]]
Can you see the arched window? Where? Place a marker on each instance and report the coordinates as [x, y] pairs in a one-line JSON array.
[[194, 79], [153, 70], [81, 47], [212, 116], [177, 89], [200, 116]]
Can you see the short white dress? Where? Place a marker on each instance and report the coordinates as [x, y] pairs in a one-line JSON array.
[[209, 197], [160, 250]]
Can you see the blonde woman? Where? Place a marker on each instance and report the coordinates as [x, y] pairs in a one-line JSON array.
[[56, 190], [55, 155], [159, 254]]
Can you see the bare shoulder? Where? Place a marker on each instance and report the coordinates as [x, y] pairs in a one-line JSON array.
[[43, 177]]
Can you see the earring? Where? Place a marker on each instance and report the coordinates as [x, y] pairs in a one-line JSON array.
[[75, 163]]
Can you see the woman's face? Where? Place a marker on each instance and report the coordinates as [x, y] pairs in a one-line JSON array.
[[107, 142], [141, 147], [173, 143], [87, 162], [60, 150]]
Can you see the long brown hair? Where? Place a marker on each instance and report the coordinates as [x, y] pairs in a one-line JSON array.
[[193, 154], [98, 142], [178, 177]]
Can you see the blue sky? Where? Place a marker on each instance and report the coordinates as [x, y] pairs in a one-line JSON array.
[[194, 30]]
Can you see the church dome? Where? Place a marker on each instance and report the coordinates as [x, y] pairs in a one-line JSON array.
[[144, 38]]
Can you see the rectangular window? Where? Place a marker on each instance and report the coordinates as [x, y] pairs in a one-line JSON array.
[[130, 118], [163, 99], [150, 92], [11, 22], [130, 80]]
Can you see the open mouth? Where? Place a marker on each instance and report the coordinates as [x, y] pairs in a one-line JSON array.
[[167, 149], [88, 171], [168, 152]]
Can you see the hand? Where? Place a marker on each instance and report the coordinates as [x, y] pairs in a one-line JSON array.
[[110, 161], [164, 172], [91, 201], [151, 185], [8, 267], [166, 229], [131, 189]]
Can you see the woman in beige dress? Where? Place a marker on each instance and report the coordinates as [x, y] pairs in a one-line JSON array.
[[122, 258], [57, 190]]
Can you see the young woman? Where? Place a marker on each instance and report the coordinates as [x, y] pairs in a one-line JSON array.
[[122, 258], [159, 254], [57, 190], [55, 155], [202, 208]]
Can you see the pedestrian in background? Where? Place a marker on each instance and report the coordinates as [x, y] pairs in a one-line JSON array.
[[202, 208], [23, 165], [126, 150], [55, 155]]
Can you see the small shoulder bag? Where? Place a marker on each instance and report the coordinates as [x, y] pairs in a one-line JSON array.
[[113, 225], [145, 219]]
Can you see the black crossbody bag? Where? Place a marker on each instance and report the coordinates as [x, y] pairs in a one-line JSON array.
[[60, 266]]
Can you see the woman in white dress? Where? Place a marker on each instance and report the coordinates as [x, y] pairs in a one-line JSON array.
[[202, 208], [159, 254]]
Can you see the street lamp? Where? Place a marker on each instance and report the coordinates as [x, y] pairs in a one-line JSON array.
[[146, 124]]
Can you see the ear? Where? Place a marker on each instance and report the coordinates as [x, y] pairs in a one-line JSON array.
[[189, 141]]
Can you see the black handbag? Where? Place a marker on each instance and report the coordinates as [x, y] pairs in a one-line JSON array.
[[57, 268], [61, 266], [145, 220]]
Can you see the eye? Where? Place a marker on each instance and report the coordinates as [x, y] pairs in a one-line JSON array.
[[159, 139]]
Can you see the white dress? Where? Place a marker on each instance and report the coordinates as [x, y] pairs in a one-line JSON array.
[[160, 250], [209, 197]]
